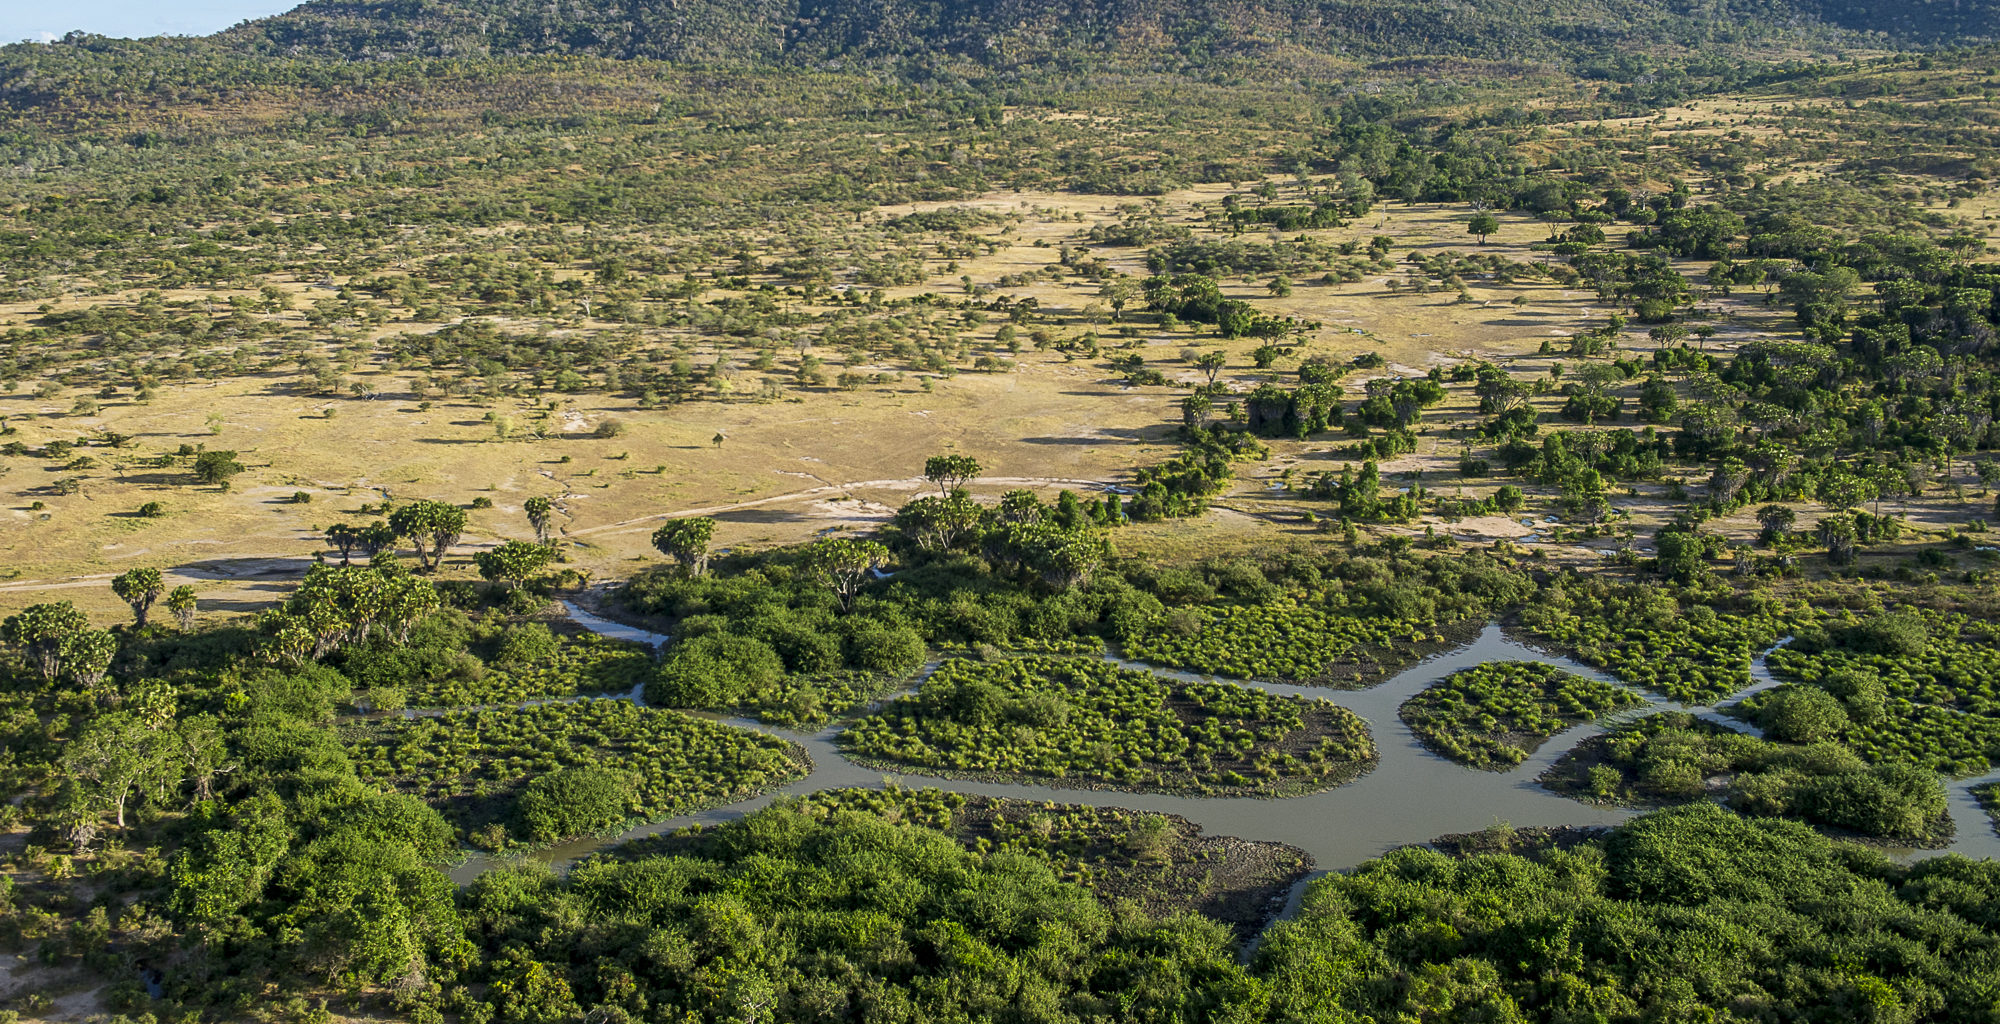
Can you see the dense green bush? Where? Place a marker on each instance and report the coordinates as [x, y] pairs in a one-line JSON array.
[[1693, 913], [761, 638], [1675, 757], [1688, 650], [1920, 655], [794, 916], [472, 764], [537, 669], [574, 801], [1495, 715], [1281, 641], [525, 645], [716, 670], [1094, 723], [1944, 740], [1802, 714]]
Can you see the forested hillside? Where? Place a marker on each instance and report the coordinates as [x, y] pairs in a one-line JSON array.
[[1093, 32]]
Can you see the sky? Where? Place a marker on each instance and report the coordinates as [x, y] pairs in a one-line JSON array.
[[48, 19]]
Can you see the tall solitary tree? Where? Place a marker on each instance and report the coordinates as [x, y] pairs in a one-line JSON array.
[[1211, 362], [139, 588], [1483, 224], [342, 538], [686, 542], [950, 472], [541, 516]]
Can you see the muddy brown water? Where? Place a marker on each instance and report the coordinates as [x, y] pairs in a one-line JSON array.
[[1411, 796]]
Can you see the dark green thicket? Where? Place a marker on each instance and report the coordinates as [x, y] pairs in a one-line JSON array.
[[1688, 911]]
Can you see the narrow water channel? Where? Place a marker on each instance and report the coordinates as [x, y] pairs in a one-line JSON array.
[[1412, 795]]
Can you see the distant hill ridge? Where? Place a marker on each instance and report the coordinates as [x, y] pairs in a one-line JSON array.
[[1112, 31]]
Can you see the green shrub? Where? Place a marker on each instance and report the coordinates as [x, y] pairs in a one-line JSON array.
[[574, 802], [715, 670], [1802, 714], [526, 644]]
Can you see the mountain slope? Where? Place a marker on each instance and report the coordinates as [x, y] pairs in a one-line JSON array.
[[1003, 31]]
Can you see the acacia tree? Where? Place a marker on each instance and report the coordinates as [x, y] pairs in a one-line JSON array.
[[139, 588], [950, 472], [336, 606], [512, 562], [843, 565], [1211, 363], [1061, 557], [1483, 224], [374, 539], [182, 603], [686, 542], [541, 516], [432, 526], [41, 630]]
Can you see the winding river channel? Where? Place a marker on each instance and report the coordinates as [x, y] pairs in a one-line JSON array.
[[1411, 796]]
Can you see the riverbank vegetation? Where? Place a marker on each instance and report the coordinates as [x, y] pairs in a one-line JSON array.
[[1159, 865], [1692, 647], [1493, 716], [552, 771], [1694, 910], [525, 661], [1673, 757], [1090, 723]]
